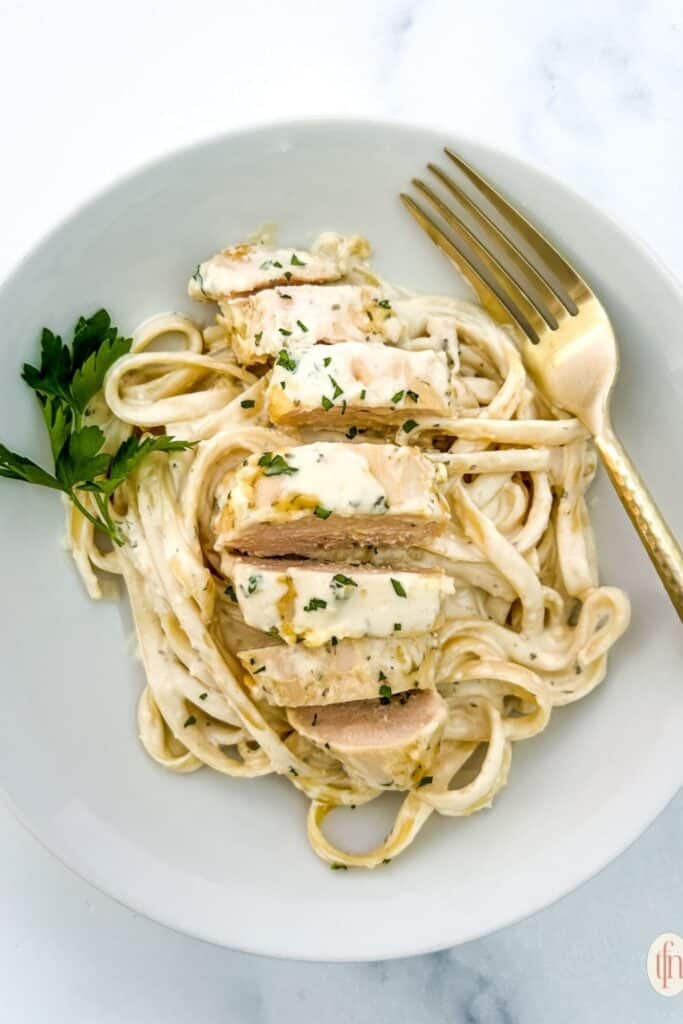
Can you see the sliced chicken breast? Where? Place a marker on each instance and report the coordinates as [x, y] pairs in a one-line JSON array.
[[389, 742], [305, 499], [357, 384], [343, 671], [310, 603], [248, 268], [295, 317]]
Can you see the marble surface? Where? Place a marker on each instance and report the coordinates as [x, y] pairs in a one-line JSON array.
[[591, 92]]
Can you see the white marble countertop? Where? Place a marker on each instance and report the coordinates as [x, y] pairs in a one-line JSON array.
[[591, 92]]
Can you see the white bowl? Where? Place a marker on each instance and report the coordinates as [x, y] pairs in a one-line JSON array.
[[228, 860]]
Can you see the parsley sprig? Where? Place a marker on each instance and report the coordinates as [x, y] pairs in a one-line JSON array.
[[64, 383]]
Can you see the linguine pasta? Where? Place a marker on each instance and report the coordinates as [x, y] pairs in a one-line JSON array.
[[523, 625]]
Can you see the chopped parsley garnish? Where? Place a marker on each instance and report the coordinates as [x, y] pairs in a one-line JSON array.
[[284, 332], [399, 589], [337, 390], [351, 433], [385, 694], [253, 583], [296, 262], [248, 403], [190, 720], [334, 641], [363, 394], [395, 399], [302, 326], [322, 513], [65, 382], [315, 604], [409, 425], [258, 670], [276, 263], [326, 403], [203, 696], [283, 295], [285, 359], [381, 677], [327, 360], [426, 780], [257, 338], [413, 396], [397, 627], [230, 592], [340, 580], [384, 304], [339, 867], [287, 273], [276, 465]]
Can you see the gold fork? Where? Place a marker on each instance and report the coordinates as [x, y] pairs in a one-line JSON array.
[[567, 341]]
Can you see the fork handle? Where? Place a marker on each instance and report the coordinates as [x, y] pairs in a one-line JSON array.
[[660, 543]]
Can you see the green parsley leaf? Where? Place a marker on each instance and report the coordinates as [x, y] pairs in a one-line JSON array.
[[340, 580], [302, 326], [276, 465], [409, 425], [284, 332], [363, 394], [339, 867], [398, 587], [351, 433], [296, 262], [385, 694], [337, 390], [257, 338], [104, 347], [132, 452], [426, 780], [384, 304], [321, 513], [248, 403], [16, 467], [326, 403], [203, 696], [413, 396], [190, 720], [397, 627], [230, 592], [397, 397], [327, 360], [285, 360], [253, 583], [315, 604]]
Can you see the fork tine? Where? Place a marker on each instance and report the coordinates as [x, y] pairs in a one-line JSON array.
[[572, 282], [556, 304], [502, 279], [495, 304]]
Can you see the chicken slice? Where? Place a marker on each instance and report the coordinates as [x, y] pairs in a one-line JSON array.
[[343, 671], [260, 325], [388, 742], [310, 603], [356, 384], [248, 268], [305, 499]]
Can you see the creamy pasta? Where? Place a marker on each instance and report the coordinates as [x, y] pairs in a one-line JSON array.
[[374, 570]]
